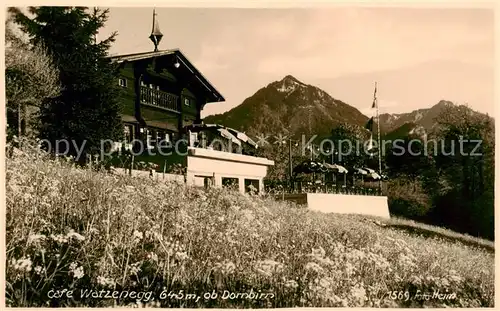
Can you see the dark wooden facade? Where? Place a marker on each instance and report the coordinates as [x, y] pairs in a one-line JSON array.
[[163, 93]]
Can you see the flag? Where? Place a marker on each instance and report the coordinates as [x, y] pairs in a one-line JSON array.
[[371, 148], [370, 144], [375, 97], [369, 124]]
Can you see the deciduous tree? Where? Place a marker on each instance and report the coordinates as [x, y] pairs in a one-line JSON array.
[[30, 78]]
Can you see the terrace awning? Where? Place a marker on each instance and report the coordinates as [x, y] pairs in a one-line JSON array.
[[336, 168], [372, 174], [243, 137], [369, 170], [226, 134], [360, 171], [308, 167]]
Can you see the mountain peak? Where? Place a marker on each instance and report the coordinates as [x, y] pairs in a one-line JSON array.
[[290, 78], [288, 84], [444, 103]]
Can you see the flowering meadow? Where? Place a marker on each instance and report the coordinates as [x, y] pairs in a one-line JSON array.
[[94, 235]]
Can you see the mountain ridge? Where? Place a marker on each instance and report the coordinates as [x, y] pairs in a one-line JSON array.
[[291, 107]]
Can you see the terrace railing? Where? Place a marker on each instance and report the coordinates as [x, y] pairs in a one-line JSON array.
[[280, 187]]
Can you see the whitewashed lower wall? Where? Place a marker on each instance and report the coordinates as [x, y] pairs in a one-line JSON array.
[[218, 165], [348, 204]]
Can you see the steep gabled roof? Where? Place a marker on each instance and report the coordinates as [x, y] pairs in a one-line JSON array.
[[215, 96]]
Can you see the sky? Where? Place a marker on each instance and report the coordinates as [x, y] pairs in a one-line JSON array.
[[418, 56]]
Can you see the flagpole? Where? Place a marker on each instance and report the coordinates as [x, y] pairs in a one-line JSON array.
[[378, 133]]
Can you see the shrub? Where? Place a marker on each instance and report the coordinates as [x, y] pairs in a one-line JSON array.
[[406, 198]]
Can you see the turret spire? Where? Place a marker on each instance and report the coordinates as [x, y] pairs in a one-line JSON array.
[[156, 34]]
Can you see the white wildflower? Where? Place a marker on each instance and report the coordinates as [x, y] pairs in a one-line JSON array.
[[59, 238], [318, 252], [78, 273], [39, 270], [76, 270], [24, 264], [291, 284], [226, 267], [153, 256], [248, 215], [73, 235], [268, 267], [106, 282], [349, 268], [359, 294], [135, 268], [35, 238], [138, 235], [313, 267], [325, 283], [181, 256], [73, 266]]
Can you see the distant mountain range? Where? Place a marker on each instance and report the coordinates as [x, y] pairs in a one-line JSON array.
[[416, 86], [422, 117], [291, 107]]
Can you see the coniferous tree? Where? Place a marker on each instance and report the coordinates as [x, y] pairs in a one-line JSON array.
[[88, 109]]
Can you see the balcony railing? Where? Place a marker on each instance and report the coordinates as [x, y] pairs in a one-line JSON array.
[[159, 99]]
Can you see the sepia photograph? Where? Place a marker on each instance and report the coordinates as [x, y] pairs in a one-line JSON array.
[[249, 157]]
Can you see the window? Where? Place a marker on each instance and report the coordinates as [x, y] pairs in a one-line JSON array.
[[193, 139], [187, 102], [251, 185], [160, 136], [122, 82], [230, 182], [150, 138], [187, 122], [208, 182], [129, 133]]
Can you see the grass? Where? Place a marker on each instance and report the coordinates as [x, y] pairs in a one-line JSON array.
[[429, 231], [80, 230]]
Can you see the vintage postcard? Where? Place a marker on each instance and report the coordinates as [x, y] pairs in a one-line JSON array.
[[249, 157]]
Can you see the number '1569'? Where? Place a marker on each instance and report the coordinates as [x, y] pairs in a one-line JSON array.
[[399, 295]]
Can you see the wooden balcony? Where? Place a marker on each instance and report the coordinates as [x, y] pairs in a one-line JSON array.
[[159, 99]]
